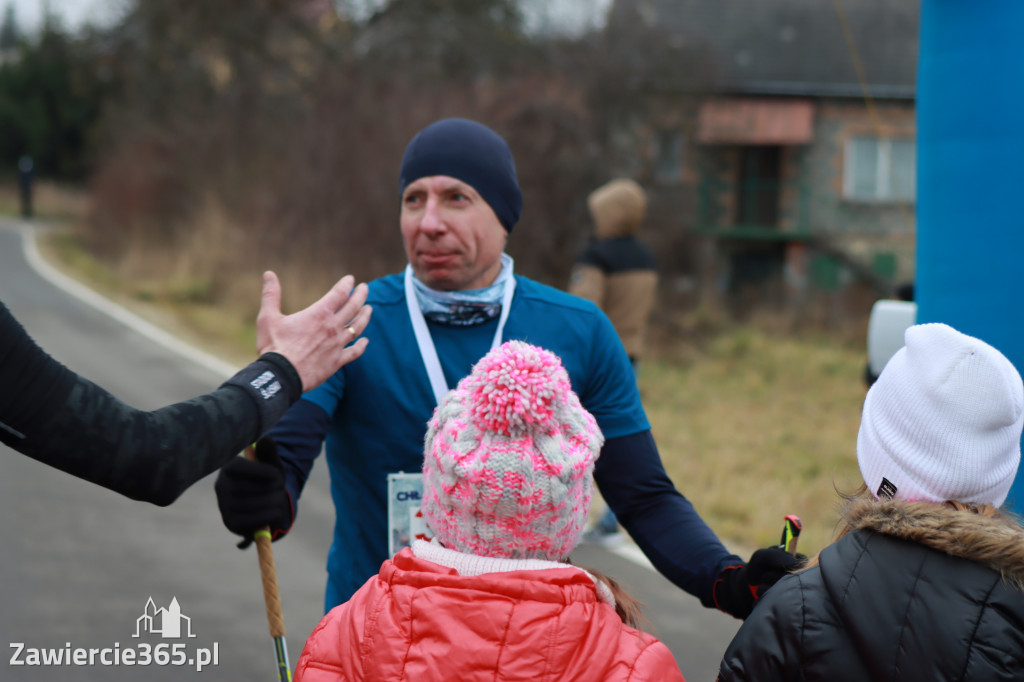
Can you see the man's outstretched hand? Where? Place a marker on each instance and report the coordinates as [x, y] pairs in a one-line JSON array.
[[319, 340]]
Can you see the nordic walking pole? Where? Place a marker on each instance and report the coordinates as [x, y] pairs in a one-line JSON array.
[[791, 532], [275, 616]]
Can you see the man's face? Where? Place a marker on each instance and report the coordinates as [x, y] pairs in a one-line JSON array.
[[452, 237]]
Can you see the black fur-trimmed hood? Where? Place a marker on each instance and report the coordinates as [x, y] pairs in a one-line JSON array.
[[916, 592], [996, 542]]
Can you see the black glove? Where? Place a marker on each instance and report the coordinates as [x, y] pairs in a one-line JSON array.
[[739, 587], [252, 495]]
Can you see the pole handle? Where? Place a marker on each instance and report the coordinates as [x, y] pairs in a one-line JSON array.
[[268, 574], [791, 532]]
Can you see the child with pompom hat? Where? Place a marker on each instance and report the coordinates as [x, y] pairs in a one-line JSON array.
[[507, 477]]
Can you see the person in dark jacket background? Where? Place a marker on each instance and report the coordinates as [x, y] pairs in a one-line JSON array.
[[617, 272], [926, 581], [26, 178]]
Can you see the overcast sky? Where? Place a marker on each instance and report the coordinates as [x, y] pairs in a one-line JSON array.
[[73, 13], [573, 15]]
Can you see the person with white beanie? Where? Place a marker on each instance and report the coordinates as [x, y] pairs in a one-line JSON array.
[[507, 481], [926, 578]]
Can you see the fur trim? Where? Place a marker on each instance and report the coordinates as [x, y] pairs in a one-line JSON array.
[[618, 208], [996, 542]]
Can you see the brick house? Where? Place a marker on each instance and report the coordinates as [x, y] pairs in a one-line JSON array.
[[799, 164]]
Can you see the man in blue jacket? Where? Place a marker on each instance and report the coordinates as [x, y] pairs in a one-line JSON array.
[[457, 298]]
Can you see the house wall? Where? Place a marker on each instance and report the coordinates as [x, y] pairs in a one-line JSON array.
[[693, 212], [865, 230], [878, 236]]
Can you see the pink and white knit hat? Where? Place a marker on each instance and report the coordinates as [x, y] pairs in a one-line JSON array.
[[509, 459]]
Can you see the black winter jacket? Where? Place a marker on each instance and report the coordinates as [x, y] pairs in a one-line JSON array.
[[917, 591]]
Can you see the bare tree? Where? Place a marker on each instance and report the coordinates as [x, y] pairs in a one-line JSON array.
[[286, 127]]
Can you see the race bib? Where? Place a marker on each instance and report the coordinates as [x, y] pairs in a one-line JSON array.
[[405, 519]]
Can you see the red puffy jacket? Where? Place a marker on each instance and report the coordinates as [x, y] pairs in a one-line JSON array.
[[418, 620]]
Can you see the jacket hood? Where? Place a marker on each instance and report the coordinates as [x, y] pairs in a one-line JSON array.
[[914, 592], [995, 542], [617, 208]]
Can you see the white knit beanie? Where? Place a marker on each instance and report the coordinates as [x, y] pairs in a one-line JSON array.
[[943, 421]]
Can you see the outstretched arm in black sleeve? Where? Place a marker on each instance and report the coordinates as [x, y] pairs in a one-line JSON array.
[[62, 419], [668, 529], [663, 523]]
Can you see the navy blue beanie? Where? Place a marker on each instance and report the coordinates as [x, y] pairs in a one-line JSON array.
[[472, 153]]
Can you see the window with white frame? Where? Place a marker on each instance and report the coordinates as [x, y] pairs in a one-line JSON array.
[[668, 155], [880, 169]]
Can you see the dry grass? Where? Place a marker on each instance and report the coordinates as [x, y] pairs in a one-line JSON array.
[[753, 426], [204, 277], [176, 302], [181, 287], [51, 202]]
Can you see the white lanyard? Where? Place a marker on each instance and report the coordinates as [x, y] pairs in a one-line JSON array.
[[427, 350]]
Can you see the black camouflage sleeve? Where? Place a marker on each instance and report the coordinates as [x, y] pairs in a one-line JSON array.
[[59, 418]]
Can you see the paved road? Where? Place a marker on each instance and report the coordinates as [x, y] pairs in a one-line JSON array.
[[79, 563]]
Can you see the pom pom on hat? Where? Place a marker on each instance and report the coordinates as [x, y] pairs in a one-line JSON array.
[[943, 421], [509, 459], [512, 391]]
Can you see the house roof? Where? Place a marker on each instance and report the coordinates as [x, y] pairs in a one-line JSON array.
[[795, 47]]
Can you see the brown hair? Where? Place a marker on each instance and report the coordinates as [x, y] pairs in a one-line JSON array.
[[629, 608]]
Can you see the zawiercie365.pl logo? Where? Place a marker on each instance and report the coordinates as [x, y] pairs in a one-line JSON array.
[[169, 623]]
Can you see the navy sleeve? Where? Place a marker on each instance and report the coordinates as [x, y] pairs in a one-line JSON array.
[[300, 437], [663, 523]]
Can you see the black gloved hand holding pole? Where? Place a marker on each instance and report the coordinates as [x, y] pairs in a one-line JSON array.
[[252, 495], [739, 587]]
